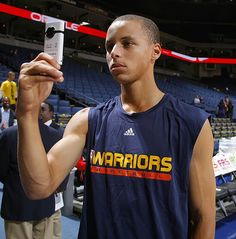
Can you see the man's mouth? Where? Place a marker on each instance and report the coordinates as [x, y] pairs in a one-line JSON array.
[[115, 66]]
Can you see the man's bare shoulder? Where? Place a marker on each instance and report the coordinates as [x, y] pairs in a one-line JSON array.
[[78, 123]]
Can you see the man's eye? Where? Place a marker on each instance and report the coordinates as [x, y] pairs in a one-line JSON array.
[[127, 44]]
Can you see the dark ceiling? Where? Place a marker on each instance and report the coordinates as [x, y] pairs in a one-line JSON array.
[[193, 20]]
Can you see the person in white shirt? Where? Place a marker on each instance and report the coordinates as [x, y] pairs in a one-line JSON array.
[[197, 100]]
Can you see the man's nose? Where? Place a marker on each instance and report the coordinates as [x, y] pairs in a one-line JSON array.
[[116, 51]]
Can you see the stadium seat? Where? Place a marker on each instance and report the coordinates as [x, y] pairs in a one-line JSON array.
[[64, 103], [226, 191], [53, 97], [52, 101], [230, 186], [64, 110], [221, 194]]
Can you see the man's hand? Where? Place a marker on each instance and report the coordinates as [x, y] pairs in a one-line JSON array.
[[35, 83]]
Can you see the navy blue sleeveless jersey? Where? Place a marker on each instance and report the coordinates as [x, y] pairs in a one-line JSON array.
[[137, 177]]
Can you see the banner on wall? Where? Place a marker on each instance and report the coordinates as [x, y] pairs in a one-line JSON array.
[[224, 163]]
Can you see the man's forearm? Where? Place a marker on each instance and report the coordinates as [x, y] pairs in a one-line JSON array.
[[32, 159]]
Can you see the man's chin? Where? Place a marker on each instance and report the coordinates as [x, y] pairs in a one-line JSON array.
[[121, 78]]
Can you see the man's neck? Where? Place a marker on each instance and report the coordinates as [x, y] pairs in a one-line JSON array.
[[139, 97]]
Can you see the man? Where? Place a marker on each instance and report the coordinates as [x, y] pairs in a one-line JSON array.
[[25, 218], [149, 167], [7, 116], [9, 89], [229, 107], [46, 114]]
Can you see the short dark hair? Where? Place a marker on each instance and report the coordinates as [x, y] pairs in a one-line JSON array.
[[148, 26], [50, 106], [11, 73]]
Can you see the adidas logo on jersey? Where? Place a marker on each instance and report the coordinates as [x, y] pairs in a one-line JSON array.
[[129, 132]]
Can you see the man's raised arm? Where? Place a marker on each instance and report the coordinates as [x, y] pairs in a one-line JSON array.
[[41, 174]]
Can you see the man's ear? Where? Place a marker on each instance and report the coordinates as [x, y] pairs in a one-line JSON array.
[[156, 52]]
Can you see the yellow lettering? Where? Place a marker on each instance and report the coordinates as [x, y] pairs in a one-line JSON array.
[[135, 161], [154, 161], [118, 158], [142, 161], [166, 165], [109, 159], [128, 160], [97, 158]]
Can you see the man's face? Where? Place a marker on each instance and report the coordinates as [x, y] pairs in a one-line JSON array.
[[11, 77], [6, 103], [45, 113], [129, 51]]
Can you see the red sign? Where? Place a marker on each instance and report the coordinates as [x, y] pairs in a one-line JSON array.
[[34, 16]]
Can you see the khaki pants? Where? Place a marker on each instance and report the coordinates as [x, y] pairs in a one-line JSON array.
[[47, 228]]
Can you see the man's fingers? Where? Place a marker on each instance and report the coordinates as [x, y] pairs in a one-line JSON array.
[[41, 68], [39, 79], [47, 58]]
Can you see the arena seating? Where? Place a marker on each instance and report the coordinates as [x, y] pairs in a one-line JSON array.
[[221, 196], [3, 72], [226, 192], [92, 87], [223, 128]]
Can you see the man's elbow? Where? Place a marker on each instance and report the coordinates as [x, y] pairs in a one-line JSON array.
[[37, 194], [203, 224]]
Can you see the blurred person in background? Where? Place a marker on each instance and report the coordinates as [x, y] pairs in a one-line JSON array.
[[7, 115], [25, 218], [222, 108], [149, 170], [229, 107], [196, 100], [9, 89], [47, 113]]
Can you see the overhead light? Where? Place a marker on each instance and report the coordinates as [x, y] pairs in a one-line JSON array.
[[84, 23]]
